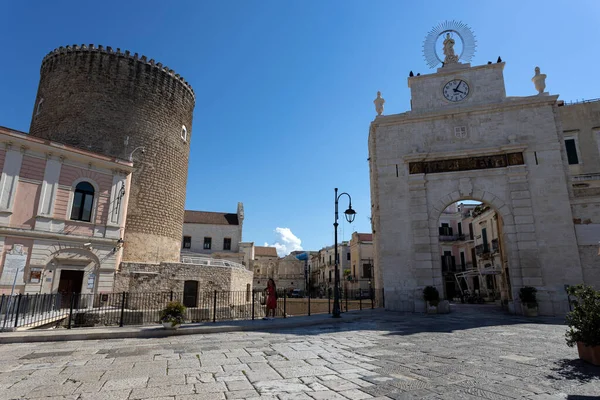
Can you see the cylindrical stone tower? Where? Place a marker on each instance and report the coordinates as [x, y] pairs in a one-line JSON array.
[[113, 102]]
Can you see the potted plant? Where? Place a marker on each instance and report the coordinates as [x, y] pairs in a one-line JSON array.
[[432, 299], [584, 323], [172, 316], [529, 301]]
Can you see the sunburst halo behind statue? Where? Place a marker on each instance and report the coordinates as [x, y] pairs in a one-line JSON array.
[[451, 29]]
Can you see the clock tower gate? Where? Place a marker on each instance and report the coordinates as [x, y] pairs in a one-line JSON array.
[[465, 139]]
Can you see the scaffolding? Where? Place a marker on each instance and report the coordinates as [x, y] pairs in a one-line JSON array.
[[480, 273]]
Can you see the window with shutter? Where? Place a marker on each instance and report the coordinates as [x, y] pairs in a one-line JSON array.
[[571, 147]]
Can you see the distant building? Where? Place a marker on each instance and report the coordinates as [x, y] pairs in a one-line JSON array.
[[214, 234], [62, 216], [287, 272], [263, 264], [361, 272], [322, 267]]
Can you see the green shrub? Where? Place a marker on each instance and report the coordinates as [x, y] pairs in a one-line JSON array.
[[431, 295], [527, 295], [584, 320], [173, 313]]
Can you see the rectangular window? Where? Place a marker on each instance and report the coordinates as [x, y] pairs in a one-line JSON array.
[[445, 230], [471, 231], [207, 243], [187, 242], [367, 270], [571, 151], [460, 228], [227, 244], [486, 246], [348, 256]]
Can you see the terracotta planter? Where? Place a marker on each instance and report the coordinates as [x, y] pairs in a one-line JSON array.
[[590, 354], [529, 311], [168, 325]]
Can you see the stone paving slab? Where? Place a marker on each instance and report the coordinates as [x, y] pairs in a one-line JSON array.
[[475, 353], [158, 331]]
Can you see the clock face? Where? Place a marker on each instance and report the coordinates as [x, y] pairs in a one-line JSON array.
[[456, 90]]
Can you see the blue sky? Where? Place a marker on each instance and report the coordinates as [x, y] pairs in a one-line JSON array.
[[284, 89]]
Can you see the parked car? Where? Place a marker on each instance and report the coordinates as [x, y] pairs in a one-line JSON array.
[[362, 294], [297, 293]]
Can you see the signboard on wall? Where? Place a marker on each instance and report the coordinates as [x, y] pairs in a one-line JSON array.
[[14, 264], [35, 275]]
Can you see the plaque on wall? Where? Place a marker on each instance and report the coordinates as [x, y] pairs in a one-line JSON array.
[[14, 266], [466, 164], [91, 279]]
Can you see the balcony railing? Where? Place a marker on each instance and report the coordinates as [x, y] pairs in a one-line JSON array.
[[451, 238], [482, 250], [495, 246]]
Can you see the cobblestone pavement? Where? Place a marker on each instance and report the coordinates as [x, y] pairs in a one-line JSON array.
[[468, 354]]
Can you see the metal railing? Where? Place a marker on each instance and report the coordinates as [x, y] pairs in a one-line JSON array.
[[572, 102], [451, 238], [29, 311], [210, 262]]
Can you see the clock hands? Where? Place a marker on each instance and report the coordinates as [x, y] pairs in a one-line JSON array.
[[457, 86]]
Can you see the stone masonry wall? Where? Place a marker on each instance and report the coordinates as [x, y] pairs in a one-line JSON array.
[[112, 102], [165, 277]]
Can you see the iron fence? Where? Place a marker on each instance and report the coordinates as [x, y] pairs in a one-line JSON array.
[[74, 310]]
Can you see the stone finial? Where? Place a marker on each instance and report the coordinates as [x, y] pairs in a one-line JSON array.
[[379, 102], [539, 81]]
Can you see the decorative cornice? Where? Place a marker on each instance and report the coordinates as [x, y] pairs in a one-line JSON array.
[[413, 116]]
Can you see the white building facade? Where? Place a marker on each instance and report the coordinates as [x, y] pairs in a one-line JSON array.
[[213, 234]]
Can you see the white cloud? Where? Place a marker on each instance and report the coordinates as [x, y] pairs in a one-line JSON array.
[[286, 242]]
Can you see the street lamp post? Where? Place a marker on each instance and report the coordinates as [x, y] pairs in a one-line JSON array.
[[350, 214]]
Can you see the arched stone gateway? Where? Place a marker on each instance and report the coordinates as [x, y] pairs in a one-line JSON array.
[[503, 151], [508, 240]]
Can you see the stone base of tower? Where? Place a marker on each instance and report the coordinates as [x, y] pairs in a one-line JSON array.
[[148, 248]]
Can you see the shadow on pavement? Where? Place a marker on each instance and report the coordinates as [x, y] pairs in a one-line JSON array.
[[576, 370]]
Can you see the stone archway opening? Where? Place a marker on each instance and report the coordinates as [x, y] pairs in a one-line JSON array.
[[472, 254]]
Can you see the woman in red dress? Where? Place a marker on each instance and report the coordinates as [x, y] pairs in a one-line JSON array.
[[271, 303]]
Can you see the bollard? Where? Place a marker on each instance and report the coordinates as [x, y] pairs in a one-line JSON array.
[[215, 307], [253, 305]]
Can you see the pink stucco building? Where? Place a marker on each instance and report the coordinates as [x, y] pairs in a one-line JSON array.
[[62, 214]]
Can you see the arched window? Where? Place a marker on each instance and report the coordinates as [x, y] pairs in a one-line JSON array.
[[184, 132], [83, 200]]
